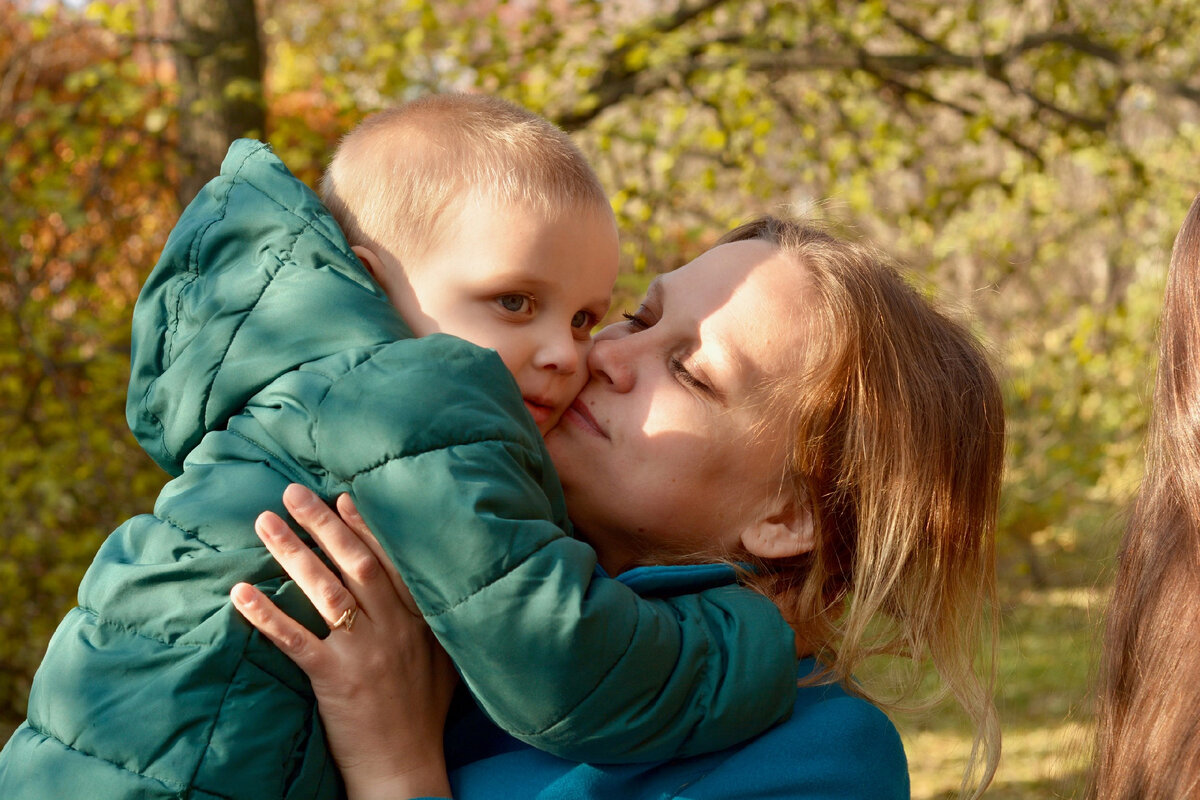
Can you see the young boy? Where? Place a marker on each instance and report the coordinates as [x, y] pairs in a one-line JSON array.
[[265, 355]]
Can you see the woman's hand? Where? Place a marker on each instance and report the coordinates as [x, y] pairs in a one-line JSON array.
[[383, 683]]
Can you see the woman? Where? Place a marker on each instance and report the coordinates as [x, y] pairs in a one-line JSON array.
[[1148, 712], [878, 417]]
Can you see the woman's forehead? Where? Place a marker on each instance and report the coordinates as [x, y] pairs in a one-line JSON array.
[[745, 301]]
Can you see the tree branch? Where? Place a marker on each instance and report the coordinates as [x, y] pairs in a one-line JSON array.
[[617, 80]]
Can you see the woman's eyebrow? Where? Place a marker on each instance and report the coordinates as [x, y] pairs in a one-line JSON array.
[[654, 291]]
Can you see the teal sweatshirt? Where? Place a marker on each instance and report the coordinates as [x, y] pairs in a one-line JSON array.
[[263, 354]]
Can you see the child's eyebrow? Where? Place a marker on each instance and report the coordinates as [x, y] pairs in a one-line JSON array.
[[520, 279]]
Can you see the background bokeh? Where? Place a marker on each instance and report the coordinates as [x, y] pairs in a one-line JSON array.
[[1028, 161]]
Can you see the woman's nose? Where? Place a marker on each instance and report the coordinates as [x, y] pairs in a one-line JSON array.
[[610, 361]]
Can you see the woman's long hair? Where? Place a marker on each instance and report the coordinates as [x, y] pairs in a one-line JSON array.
[[1148, 710], [898, 447]]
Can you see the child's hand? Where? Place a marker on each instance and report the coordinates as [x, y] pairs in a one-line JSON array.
[[383, 683]]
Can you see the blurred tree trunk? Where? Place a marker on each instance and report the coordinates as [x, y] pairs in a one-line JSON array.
[[220, 63]]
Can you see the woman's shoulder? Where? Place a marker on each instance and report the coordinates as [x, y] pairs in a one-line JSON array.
[[847, 717], [834, 745]]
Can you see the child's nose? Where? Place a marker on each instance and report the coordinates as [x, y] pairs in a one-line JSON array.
[[560, 354]]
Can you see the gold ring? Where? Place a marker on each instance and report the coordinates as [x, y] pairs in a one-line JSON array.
[[346, 620]]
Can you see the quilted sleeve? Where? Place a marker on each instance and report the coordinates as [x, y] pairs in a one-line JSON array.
[[461, 493]]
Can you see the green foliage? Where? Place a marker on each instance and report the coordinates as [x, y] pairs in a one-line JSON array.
[[86, 208]]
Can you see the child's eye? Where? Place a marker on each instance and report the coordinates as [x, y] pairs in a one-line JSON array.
[[516, 303], [583, 320]]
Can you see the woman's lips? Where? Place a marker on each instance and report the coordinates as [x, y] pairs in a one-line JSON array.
[[579, 414]]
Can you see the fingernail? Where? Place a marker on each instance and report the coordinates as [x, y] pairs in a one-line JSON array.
[[347, 506], [262, 525], [297, 493]]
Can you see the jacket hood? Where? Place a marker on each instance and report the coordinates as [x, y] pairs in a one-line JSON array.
[[215, 322]]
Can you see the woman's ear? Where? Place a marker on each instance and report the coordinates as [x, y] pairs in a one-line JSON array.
[[784, 529]]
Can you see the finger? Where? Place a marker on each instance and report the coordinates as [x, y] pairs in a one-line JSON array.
[[323, 589], [348, 509], [290, 636], [361, 568], [349, 513]]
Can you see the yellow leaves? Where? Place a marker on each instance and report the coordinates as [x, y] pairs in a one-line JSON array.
[[117, 17], [619, 200], [638, 57], [385, 51], [40, 27], [663, 162], [412, 39], [714, 138]]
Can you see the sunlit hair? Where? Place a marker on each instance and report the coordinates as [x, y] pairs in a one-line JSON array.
[[898, 427], [395, 181], [1148, 710]]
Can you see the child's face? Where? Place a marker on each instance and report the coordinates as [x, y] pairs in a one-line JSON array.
[[529, 287]]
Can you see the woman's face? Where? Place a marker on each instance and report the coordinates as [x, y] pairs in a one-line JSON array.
[[661, 453]]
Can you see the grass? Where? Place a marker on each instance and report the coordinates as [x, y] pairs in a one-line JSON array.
[[1045, 672]]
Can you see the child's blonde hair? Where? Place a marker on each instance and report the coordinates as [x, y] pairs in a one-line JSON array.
[[896, 423], [394, 181]]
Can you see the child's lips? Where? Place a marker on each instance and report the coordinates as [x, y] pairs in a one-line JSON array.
[[539, 410]]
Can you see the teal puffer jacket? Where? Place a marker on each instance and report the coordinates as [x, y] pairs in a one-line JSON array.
[[263, 355]]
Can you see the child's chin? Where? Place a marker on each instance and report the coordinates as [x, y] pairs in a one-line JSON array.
[[544, 416], [550, 424]]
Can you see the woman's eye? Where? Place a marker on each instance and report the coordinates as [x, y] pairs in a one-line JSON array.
[[636, 320], [583, 320], [687, 378], [515, 303]]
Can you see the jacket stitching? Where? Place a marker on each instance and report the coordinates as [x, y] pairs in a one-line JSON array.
[[595, 688], [306, 222], [193, 270], [464, 442], [388, 458], [178, 788], [190, 534], [245, 317], [110, 623], [212, 728], [282, 464], [315, 421], [467, 597]]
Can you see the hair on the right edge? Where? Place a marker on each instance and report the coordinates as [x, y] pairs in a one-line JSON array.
[[1148, 705], [395, 180]]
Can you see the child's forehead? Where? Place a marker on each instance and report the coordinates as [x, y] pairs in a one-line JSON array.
[[537, 248], [520, 224], [531, 206]]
